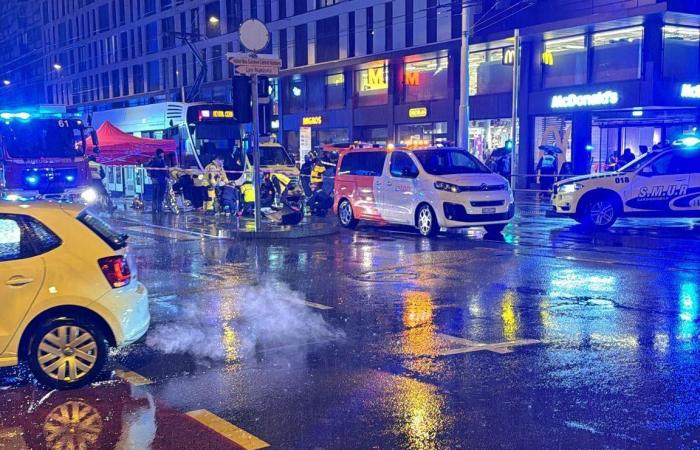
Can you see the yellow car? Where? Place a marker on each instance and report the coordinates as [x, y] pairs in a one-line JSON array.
[[69, 292]]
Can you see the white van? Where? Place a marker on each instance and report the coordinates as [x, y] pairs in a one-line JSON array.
[[430, 188]]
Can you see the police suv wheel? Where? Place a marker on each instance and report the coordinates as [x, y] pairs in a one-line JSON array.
[[600, 213]]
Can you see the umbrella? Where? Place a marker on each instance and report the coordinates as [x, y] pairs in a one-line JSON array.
[[501, 152], [550, 149]]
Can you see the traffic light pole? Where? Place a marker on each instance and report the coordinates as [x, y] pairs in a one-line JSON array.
[[256, 150]]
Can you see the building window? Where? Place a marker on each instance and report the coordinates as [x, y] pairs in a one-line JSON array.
[[123, 46], [488, 135], [217, 63], [116, 84], [301, 52], [194, 20], [315, 92], [253, 9], [183, 69], [168, 32], [456, 19], [213, 17], [432, 21], [564, 62], [267, 11], [328, 39], [125, 81], [422, 133], [165, 4], [282, 10], [409, 23], [335, 91], [283, 47], [370, 30], [152, 37], [324, 3], [487, 72], [372, 85], [105, 85], [617, 55], [388, 26], [153, 69], [149, 7], [234, 12], [299, 7], [103, 15], [681, 52], [137, 73], [425, 79], [351, 34], [294, 94]]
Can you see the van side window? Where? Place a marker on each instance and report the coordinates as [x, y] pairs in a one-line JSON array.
[[402, 166], [368, 164]]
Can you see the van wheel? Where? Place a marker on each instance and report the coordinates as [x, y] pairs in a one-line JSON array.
[[345, 215], [426, 221], [599, 213], [67, 353]]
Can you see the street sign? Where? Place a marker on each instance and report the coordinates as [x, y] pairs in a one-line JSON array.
[[246, 64], [254, 35], [304, 143]]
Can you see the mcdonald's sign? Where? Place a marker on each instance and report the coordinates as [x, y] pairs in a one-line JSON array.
[[547, 59], [373, 79], [412, 79], [508, 56]]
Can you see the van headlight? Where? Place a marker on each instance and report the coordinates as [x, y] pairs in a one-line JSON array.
[[570, 188], [449, 187], [89, 195]]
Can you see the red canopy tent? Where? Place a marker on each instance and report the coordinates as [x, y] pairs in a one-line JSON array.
[[119, 148]]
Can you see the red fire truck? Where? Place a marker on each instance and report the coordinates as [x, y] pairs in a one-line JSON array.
[[42, 153]]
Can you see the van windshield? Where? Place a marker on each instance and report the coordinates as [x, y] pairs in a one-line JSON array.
[[271, 156], [449, 161]]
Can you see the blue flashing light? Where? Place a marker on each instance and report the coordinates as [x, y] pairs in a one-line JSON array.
[[688, 141], [6, 115], [70, 178], [509, 144], [23, 115], [32, 180]]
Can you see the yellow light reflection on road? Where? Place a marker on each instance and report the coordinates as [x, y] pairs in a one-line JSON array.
[[509, 317], [419, 409], [230, 341], [419, 338]]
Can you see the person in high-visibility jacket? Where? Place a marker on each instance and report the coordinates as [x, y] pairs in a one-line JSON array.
[[215, 177], [317, 173]]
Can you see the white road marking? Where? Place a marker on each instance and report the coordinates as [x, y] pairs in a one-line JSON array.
[[467, 346]]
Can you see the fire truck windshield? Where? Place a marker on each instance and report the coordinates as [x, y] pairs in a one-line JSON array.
[[48, 138]]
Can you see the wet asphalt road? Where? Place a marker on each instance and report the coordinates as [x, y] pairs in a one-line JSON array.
[[547, 336]]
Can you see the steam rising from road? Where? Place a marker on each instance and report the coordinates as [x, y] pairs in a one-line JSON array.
[[237, 323]]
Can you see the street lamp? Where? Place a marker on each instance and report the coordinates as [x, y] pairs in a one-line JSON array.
[[214, 20], [6, 82], [57, 66]]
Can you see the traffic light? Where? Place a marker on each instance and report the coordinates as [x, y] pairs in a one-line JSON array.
[[242, 108]]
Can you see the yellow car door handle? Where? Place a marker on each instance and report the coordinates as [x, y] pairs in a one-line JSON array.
[[18, 281]]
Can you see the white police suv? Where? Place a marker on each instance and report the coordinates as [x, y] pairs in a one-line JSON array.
[[662, 183]]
